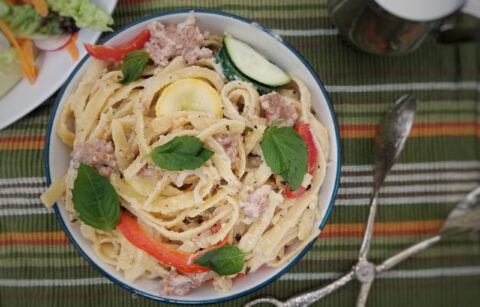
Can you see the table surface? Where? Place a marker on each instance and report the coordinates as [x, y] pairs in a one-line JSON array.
[[440, 164]]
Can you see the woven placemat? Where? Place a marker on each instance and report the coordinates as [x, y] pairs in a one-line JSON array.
[[441, 163]]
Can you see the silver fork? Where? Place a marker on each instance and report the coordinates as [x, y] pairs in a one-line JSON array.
[[464, 217], [390, 141]]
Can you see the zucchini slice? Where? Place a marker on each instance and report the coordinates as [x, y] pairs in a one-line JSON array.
[[232, 73], [254, 65]]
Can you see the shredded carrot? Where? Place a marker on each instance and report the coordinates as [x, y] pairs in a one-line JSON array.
[[29, 71], [28, 67], [39, 5], [25, 69], [72, 48], [27, 50]]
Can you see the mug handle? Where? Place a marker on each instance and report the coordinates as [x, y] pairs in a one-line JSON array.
[[462, 34], [459, 35]]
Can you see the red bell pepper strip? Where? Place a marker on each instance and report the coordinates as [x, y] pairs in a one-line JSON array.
[[180, 260], [312, 154], [114, 54], [294, 194], [312, 150]]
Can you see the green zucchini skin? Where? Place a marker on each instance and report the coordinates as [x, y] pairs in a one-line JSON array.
[[232, 73], [253, 64]]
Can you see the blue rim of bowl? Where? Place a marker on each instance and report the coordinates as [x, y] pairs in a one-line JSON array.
[[166, 299]]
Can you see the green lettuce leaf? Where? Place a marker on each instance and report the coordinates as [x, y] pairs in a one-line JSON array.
[[85, 14], [4, 42], [7, 56], [25, 22], [10, 70]]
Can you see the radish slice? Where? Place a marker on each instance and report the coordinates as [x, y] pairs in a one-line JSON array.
[[53, 44]]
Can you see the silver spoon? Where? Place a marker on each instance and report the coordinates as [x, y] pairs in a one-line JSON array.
[[465, 217], [390, 140], [392, 135]]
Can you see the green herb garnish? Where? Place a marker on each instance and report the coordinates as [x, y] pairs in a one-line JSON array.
[[181, 153], [133, 65], [225, 260], [95, 199], [285, 152]]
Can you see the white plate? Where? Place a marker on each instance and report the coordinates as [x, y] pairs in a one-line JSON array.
[[57, 154], [53, 69]]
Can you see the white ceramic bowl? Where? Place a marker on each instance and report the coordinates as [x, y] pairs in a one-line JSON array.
[[279, 52]]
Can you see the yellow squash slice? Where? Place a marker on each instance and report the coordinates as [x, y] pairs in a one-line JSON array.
[[189, 95], [143, 186]]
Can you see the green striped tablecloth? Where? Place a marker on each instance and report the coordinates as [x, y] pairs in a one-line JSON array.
[[39, 267]]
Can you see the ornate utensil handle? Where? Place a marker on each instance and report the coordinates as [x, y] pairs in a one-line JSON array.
[[363, 295], [367, 237], [307, 298], [407, 253], [390, 141], [389, 263], [311, 297]]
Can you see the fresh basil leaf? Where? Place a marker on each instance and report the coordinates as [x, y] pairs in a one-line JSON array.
[[285, 152], [133, 65], [181, 153], [95, 199], [225, 260]]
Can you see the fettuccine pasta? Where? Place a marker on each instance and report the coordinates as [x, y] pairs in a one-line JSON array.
[[234, 198]]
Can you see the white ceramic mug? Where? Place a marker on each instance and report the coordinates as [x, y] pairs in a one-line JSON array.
[[390, 27]]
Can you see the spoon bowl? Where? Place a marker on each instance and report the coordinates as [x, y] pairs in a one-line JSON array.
[[464, 217], [392, 135]]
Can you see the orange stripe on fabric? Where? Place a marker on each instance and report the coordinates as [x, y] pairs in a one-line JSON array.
[[22, 142], [330, 231], [383, 229], [34, 238], [346, 131], [22, 145], [418, 130], [22, 139]]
